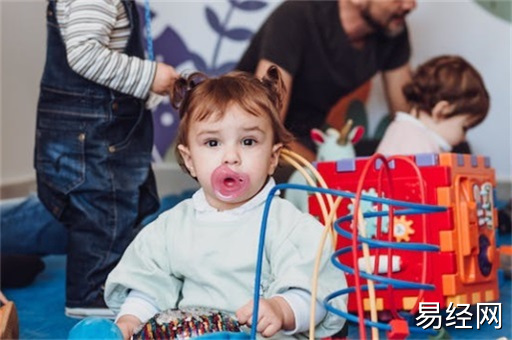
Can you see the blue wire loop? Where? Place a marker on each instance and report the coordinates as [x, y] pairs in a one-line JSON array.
[[411, 208], [149, 37]]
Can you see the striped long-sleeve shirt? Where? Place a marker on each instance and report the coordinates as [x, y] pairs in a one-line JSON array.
[[95, 33]]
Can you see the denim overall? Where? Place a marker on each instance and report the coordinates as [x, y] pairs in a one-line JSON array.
[[92, 158]]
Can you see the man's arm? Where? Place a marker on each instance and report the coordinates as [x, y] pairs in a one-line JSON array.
[[393, 81], [287, 78]]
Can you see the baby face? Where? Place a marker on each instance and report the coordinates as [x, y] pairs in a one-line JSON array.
[[231, 157]]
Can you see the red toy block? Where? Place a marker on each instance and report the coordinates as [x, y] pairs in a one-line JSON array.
[[399, 329]]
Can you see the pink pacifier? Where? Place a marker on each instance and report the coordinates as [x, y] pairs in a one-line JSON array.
[[228, 184]]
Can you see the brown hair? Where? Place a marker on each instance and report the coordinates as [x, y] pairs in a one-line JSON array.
[[449, 78], [198, 97]]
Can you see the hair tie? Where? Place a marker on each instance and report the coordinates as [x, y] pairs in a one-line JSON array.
[[183, 86]]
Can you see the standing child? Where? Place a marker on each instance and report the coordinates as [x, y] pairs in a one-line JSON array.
[[448, 97], [202, 253], [94, 138]]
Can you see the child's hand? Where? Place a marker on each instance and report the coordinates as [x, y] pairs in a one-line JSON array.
[[165, 75], [127, 324], [274, 315]]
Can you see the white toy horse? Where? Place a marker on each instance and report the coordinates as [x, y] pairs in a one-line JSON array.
[[332, 145]]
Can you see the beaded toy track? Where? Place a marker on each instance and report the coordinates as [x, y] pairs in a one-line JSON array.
[[186, 324]]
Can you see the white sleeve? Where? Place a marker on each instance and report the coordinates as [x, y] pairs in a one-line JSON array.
[[138, 304], [299, 301]]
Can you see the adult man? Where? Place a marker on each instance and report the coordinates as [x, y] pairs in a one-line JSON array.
[[327, 49]]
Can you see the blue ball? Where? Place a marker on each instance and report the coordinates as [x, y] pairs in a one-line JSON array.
[[95, 328]]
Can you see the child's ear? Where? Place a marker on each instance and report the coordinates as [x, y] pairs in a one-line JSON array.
[[187, 158], [274, 157], [441, 110]]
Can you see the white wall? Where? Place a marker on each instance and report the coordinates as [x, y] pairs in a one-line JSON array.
[[23, 34]]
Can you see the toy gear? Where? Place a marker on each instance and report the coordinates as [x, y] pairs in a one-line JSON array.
[[402, 229]]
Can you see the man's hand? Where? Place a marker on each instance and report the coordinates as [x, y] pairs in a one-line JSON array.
[[274, 315], [165, 76], [127, 324]]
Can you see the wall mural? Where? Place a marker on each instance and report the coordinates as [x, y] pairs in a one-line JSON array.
[[172, 49]]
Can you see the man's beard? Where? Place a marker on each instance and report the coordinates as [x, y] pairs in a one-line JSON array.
[[379, 27]]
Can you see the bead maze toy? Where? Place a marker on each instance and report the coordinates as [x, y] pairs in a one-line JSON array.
[[462, 266]]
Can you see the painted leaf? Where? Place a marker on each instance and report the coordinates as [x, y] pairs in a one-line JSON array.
[[238, 34], [214, 21], [250, 5]]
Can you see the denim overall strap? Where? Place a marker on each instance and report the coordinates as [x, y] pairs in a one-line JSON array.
[[134, 46], [93, 163], [57, 73]]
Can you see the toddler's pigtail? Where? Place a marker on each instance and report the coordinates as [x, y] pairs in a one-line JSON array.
[[273, 81], [178, 92], [183, 86]]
